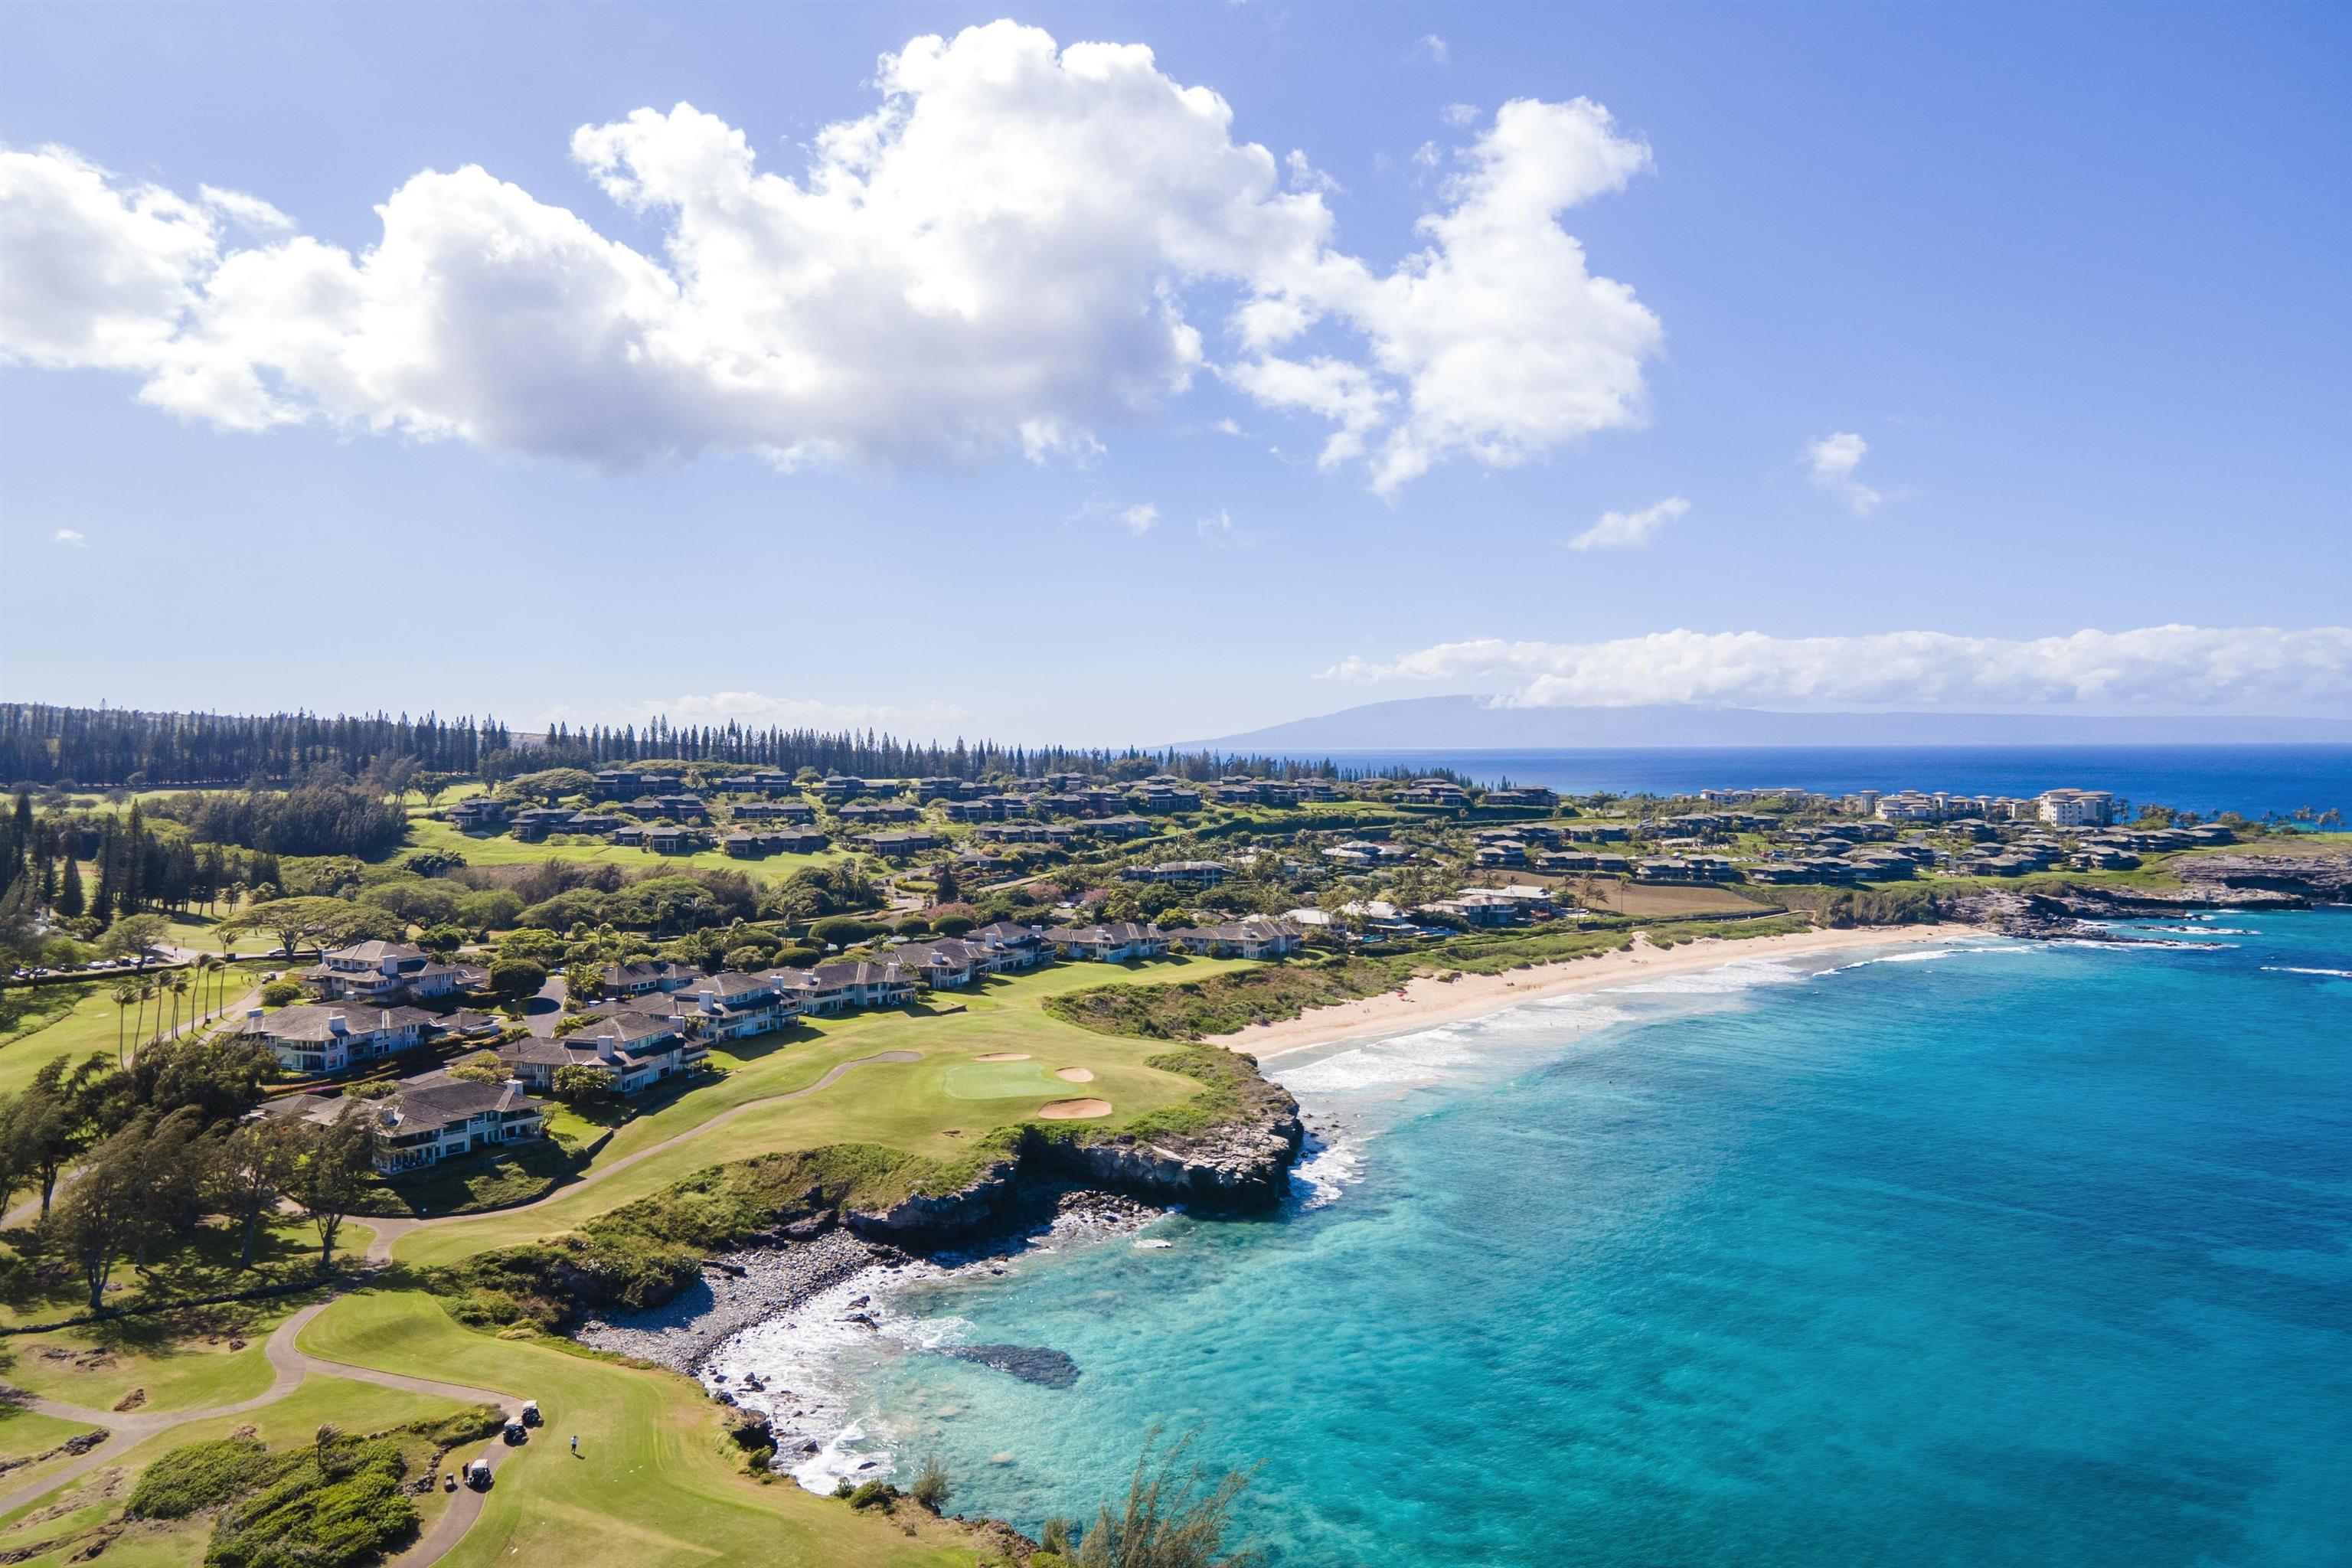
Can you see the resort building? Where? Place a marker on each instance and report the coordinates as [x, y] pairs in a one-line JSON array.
[[638, 1049], [380, 972], [318, 1041], [2074, 808]]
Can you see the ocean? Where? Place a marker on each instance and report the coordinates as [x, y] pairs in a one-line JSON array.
[[1992, 1253], [2256, 781]]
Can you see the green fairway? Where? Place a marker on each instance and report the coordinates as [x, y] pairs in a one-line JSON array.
[[431, 833], [94, 1021], [654, 1481], [908, 1106]]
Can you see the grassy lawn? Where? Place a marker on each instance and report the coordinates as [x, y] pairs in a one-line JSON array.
[[1645, 901], [96, 1499], [655, 1482], [204, 1263], [911, 1106], [428, 833], [76, 1018]]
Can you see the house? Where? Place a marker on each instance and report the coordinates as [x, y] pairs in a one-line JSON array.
[[1689, 869], [861, 814], [866, 983], [431, 1120], [617, 784], [1557, 860], [1011, 946], [477, 813], [1178, 873], [1115, 941], [899, 845], [539, 822], [1155, 796], [638, 1049], [775, 811], [947, 964], [1543, 797], [684, 807], [1434, 792], [591, 822], [1502, 852], [838, 787], [646, 976], [316, 1039], [734, 1005], [671, 840], [1254, 937], [1124, 826], [1476, 907], [380, 972], [944, 789], [767, 781]]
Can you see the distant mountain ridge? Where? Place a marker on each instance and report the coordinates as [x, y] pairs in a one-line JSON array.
[[1418, 723]]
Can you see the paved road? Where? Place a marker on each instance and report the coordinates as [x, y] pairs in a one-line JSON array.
[[388, 1231], [288, 1367]]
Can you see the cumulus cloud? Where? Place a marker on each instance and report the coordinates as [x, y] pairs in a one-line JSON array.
[[1435, 48], [1003, 255], [72, 538], [1629, 529], [1834, 459], [1459, 114], [1305, 177], [2169, 667]]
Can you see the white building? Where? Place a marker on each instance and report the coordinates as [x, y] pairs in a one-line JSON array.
[[2075, 807]]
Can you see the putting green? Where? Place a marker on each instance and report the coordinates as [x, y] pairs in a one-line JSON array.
[[999, 1080]]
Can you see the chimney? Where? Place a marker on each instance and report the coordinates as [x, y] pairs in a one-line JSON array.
[[605, 1046]]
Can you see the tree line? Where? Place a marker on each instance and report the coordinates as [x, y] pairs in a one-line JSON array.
[[45, 743]]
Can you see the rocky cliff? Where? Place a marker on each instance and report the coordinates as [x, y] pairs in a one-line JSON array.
[[2238, 881], [1238, 1161]]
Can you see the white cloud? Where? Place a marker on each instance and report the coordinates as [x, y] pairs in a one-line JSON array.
[[70, 537], [1834, 459], [1305, 177], [1000, 258], [1459, 114], [1218, 528], [1427, 156], [248, 212], [1139, 518], [1629, 529], [2170, 666], [1435, 48]]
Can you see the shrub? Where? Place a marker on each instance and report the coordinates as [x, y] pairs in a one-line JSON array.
[[930, 1488], [279, 992], [465, 1426], [201, 1476], [841, 930], [516, 978], [873, 1494], [797, 955]]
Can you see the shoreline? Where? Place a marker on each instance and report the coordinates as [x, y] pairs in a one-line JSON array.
[[1425, 1001]]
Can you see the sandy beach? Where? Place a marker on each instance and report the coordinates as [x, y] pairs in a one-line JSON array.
[[1426, 1001]]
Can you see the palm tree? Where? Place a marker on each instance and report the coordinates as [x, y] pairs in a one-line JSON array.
[[123, 996], [179, 983]]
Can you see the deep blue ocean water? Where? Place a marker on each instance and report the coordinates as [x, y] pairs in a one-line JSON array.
[[1999, 1254], [2254, 780]]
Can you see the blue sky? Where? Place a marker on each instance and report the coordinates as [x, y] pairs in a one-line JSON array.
[[1956, 332]]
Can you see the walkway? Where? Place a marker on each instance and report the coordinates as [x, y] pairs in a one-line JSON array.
[[289, 1366]]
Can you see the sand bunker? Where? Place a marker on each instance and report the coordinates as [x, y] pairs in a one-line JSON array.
[[1075, 1109], [1073, 1075], [1003, 1057]]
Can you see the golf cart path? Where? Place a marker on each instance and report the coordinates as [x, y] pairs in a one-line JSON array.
[[389, 1231], [289, 1366]]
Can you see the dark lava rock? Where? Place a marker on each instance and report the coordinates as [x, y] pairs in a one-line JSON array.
[[1030, 1364]]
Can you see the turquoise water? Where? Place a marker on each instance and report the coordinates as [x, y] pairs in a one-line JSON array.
[[1995, 1255]]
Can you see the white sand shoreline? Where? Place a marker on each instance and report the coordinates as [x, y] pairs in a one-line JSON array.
[[1426, 1002]]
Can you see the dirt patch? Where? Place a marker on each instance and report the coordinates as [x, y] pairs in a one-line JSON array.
[[1075, 1109], [1003, 1057], [131, 1401], [1073, 1075]]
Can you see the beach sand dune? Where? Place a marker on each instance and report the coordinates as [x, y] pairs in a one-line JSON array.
[[1073, 1075], [1427, 1001], [1075, 1109]]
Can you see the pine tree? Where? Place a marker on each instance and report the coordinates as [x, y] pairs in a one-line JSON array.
[[70, 896]]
